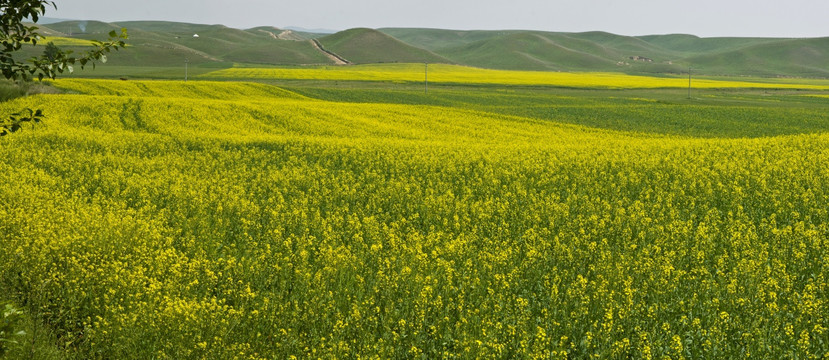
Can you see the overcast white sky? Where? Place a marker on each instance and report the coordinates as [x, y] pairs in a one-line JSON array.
[[707, 18]]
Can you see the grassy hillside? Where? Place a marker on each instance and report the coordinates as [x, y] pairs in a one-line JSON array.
[[438, 39], [682, 44], [622, 45], [167, 44], [371, 46], [795, 57], [81, 28], [535, 51], [246, 46], [280, 34], [538, 50], [169, 27], [599, 51]]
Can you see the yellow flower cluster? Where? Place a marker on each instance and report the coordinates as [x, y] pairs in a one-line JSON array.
[[229, 220], [65, 41], [455, 74]]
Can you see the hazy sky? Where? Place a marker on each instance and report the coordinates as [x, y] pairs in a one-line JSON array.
[[776, 18]]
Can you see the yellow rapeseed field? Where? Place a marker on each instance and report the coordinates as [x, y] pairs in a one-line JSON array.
[[64, 41], [234, 220], [454, 74]]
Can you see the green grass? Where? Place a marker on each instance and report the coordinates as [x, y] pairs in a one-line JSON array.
[[599, 51], [165, 44], [364, 46], [10, 90], [711, 113], [690, 44], [793, 57], [80, 28], [37, 341], [535, 51], [721, 107]]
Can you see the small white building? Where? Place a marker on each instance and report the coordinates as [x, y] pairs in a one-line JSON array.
[[195, 35]]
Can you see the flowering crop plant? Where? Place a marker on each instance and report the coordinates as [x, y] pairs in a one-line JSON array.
[[160, 219], [455, 74]]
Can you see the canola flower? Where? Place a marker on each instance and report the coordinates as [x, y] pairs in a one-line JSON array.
[[454, 74], [227, 220], [65, 41]]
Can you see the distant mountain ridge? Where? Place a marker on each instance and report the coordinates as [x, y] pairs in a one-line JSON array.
[[162, 43]]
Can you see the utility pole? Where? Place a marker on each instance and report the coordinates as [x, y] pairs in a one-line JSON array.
[[186, 68], [689, 82], [426, 78]]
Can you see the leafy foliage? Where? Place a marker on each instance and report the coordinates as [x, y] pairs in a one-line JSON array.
[[10, 327], [16, 120], [52, 51], [14, 34]]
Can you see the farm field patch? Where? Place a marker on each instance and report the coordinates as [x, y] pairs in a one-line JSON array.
[[453, 74], [223, 219]]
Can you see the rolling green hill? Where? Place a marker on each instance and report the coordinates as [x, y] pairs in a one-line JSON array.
[[371, 46], [683, 44], [437, 39], [538, 50], [793, 57], [168, 44], [219, 43], [165, 44], [601, 51], [534, 51]]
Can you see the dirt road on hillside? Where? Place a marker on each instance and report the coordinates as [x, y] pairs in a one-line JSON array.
[[334, 57]]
